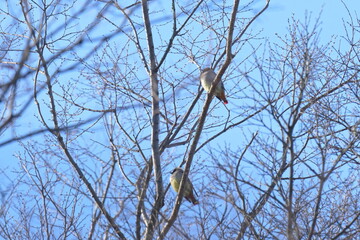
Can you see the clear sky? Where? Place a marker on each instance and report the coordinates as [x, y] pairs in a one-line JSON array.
[[273, 21], [331, 12]]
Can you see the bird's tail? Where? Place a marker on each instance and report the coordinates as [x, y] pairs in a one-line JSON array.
[[191, 198], [222, 97]]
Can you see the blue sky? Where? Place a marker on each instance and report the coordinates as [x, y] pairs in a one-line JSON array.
[[273, 21], [332, 14]]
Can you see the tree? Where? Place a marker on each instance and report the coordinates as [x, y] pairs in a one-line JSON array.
[[117, 105]]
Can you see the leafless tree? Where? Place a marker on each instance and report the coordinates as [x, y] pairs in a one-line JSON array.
[[109, 93]]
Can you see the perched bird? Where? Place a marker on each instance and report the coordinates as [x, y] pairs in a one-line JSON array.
[[207, 76], [175, 179]]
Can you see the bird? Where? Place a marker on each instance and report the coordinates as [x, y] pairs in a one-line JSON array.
[[175, 179], [207, 76]]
